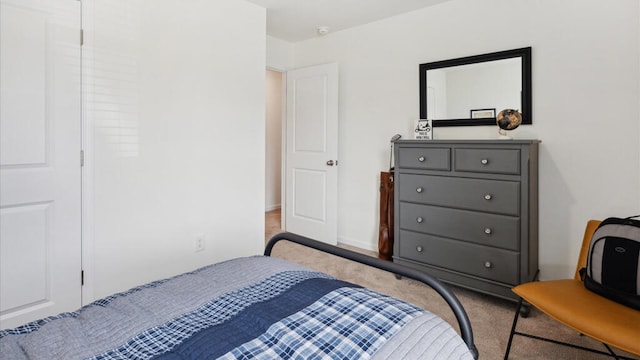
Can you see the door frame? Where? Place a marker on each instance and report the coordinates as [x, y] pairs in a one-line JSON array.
[[87, 141], [283, 144]]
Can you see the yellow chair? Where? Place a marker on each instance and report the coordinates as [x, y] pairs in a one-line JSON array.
[[590, 314]]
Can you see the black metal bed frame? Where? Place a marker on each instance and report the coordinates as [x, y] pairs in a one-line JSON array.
[[399, 270]]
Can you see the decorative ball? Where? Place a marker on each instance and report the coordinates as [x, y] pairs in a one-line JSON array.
[[509, 119]]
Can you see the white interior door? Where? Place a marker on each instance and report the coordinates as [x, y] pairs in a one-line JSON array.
[[311, 162], [40, 178]]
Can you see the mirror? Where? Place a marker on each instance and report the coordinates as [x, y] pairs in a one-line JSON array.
[[471, 90]]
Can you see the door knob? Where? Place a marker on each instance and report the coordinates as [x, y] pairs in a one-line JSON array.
[[331, 162]]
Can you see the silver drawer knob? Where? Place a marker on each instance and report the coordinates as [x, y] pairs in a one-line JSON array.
[[488, 196], [421, 159], [488, 231], [419, 248], [488, 264], [419, 189], [484, 161], [419, 219]]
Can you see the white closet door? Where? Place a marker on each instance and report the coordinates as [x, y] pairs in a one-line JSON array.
[[312, 152], [40, 178]]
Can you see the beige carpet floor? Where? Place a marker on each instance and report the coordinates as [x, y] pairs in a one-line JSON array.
[[491, 317]]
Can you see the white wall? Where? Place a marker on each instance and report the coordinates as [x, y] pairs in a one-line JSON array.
[[585, 104], [176, 134], [273, 157], [279, 54]]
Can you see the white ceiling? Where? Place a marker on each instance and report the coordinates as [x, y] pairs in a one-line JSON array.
[[296, 20]]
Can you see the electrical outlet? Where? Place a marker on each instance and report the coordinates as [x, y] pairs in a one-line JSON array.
[[199, 243]]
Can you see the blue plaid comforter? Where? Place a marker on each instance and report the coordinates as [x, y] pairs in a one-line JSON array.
[[271, 310]]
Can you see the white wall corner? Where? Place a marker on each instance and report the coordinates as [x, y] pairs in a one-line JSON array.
[[279, 54]]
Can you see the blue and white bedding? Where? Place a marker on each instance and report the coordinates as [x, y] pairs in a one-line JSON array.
[[247, 308]]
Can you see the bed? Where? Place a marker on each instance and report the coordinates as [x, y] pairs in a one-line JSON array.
[[257, 307]]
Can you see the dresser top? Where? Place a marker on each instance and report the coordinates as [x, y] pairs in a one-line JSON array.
[[478, 142]]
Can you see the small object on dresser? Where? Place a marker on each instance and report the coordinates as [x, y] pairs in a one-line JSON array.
[[508, 119], [423, 130]]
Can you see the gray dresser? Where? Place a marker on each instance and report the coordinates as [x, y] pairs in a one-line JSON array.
[[466, 211]]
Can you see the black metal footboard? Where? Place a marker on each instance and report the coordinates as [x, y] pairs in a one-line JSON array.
[[461, 315]]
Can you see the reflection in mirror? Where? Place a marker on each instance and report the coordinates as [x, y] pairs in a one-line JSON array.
[[455, 91], [471, 90]]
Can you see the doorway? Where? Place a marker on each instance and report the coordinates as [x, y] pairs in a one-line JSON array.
[[274, 100], [309, 174]]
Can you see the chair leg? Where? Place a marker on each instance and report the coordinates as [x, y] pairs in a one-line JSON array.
[[513, 330], [614, 355], [521, 302]]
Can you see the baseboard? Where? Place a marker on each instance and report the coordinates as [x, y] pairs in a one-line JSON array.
[[272, 207], [357, 243]]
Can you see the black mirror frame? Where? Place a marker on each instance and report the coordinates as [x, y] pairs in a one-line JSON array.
[[523, 53]]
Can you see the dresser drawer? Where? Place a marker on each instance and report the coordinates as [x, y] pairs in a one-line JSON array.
[[424, 158], [486, 262], [495, 196], [497, 161], [481, 228]]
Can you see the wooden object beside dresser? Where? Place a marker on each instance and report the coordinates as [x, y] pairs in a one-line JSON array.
[[466, 211]]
